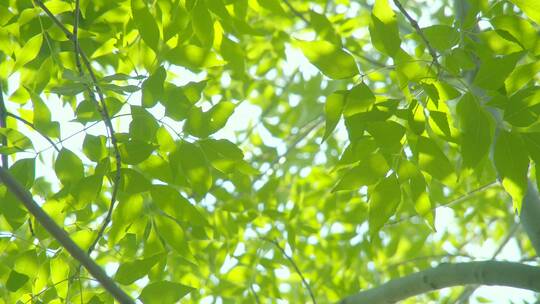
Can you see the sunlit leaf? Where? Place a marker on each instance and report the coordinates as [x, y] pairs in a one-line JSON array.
[[163, 292], [383, 203], [383, 28], [68, 167], [512, 163], [145, 23], [332, 60]]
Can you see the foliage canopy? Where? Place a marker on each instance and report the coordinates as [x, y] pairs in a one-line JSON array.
[[256, 150]]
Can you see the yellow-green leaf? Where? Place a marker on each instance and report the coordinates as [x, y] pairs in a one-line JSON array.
[[383, 203], [512, 164], [329, 58], [333, 109]]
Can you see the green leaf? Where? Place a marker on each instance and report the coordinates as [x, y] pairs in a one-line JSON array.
[[441, 37], [387, 135], [145, 24], [59, 270], [441, 121], [135, 151], [368, 172], [383, 203], [87, 190], [131, 181], [196, 167], [324, 28], [203, 124], [383, 28], [131, 271], [86, 111], [94, 147], [202, 23], [193, 57], [476, 131], [494, 70], [15, 281], [152, 87], [172, 233], [68, 167], [24, 171], [530, 8], [28, 52], [512, 164], [521, 75], [431, 159], [356, 151], [418, 192], [335, 103], [330, 59], [16, 141], [42, 117], [523, 107], [69, 89], [532, 142], [359, 99], [174, 204], [156, 167], [143, 125], [164, 140], [127, 214], [83, 238], [222, 154], [163, 292], [520, 30], [219, 115]]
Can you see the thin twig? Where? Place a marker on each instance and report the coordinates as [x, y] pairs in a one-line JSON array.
[[101, 106], [294, 11], [290, 259], [273, 103], [31, 300], [459, 199], [304, 131], [31, 125], [3, 124], [420, 33], [255, 296], [309, 127]]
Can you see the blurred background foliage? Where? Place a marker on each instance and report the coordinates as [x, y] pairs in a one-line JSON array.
[[266, 145]]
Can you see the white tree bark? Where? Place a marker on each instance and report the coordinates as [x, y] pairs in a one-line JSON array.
[[447, 275]]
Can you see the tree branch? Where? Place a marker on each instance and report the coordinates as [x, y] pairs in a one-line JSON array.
[[447, 275], [63, 238], [420, 33], [101, 106]]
